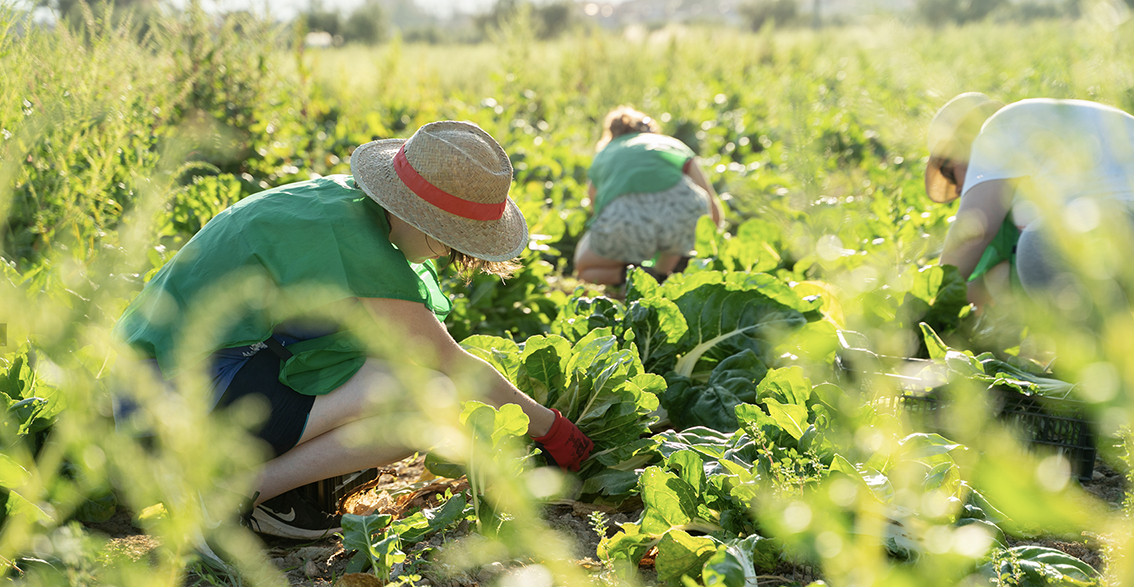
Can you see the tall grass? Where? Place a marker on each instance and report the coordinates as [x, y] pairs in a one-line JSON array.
[[115, 150]]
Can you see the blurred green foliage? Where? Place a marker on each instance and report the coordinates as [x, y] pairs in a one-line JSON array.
[[114, 151]]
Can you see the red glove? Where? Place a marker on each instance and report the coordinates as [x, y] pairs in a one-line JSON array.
[[565, 445]]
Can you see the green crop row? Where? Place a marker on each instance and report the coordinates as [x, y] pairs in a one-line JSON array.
[[114, 151]]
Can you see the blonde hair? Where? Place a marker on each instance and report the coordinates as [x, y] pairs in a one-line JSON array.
[[467, 266], [625, 120]]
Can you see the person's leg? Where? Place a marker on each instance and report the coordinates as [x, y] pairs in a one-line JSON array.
[[677, 212], [624, 233], [330, 454], [1037, 263], [667, 263], [595, 268], [349, 429]]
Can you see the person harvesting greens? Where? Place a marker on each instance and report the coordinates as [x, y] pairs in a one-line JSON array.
[[274, 269], [648, 192], [1034, 168]]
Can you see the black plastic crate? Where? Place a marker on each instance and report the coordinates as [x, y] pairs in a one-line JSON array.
[[328, 492], [1061, 425], [1064, 425]]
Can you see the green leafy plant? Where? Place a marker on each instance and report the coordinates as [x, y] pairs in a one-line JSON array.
[[595, 383], [29, 409], [377, 539], [493, 432], [1038, 566]]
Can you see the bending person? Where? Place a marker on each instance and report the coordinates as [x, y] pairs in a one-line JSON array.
[[648, 192], [1013, 165], [366, 244]]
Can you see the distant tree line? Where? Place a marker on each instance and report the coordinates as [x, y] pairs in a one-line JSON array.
[[549, 20], [365, 25], [759, 13]]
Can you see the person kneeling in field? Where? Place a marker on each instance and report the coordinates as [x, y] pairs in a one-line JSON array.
[[648, 192], [364, 243], [1028, 173]]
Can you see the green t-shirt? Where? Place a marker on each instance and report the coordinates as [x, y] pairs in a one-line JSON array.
[[637, 163], [270, 259], [1002, 248]]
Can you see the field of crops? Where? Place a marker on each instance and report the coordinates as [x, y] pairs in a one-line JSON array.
[[746, 412]]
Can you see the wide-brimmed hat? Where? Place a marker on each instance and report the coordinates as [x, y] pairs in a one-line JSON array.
[[449, 180], [951, 134]]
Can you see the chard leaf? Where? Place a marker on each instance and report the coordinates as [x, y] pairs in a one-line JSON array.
[[442, 467], [630, 544], [416, 527], [641, 285], [1023, 381], [501, 353], [787, 385], [627, 457], [359, 531], [715, 312], [841, 464], [949, 298], [580, 316], [668, 501], [933, 343], [743, 473], [17, 506], [658, 326], [1038, 566], [679, 554], [725, 569], [775, 289], [619, 413], [493, 424], [611, 483], [705, 441], [763, 553], [791, 418], [690, 467], [922, 446], [12, 474], [542, 369], [712, 405], [732, 382], [878, 483], [756, 421]]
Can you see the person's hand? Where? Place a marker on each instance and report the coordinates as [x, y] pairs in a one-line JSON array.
[[564, 444]]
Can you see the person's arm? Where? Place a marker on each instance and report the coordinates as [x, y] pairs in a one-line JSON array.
[[716, 209], [980, 215], [427, 338], [423, 335]]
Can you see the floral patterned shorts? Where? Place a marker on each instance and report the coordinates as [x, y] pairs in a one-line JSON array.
[[636, 227]]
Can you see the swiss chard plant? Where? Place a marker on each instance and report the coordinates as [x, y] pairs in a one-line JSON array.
[[29, 409], [596, 383], [714, 336], [988, 369], [377, 539]]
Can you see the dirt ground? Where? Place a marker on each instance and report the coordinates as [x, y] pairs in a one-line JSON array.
[[323, 563]]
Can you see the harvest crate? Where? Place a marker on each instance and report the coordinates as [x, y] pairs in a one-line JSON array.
[[328, 492], [1061, 424]]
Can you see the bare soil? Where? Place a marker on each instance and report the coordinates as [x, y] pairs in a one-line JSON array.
[[323, 563]]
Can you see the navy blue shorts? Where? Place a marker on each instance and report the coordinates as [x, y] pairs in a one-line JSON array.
[[289, 409]]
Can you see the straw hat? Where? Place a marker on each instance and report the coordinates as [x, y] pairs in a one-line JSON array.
[[951, 135], [449, 180]]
